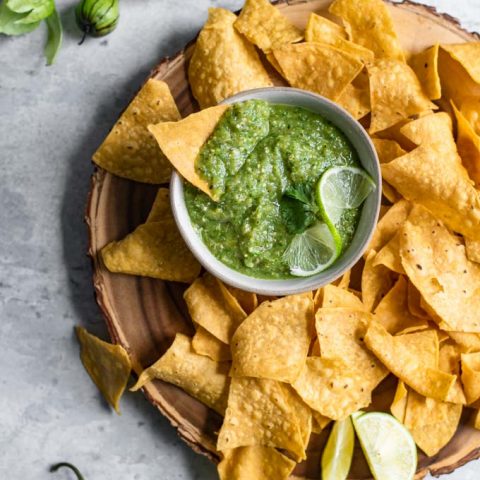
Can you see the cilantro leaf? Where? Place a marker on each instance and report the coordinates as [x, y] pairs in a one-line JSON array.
[[55, 36], [296, 215], [36, 10], [9, 22], [299, 192]]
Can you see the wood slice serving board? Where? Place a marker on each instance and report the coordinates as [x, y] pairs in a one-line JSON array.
[[144, 314]]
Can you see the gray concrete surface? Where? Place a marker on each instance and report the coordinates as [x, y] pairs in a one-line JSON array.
[[51, 121]]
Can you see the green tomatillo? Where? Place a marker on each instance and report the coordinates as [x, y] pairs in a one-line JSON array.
[[97, 17]]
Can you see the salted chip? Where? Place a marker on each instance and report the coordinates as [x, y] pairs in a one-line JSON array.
[[258, 462], [129, 150], [212, 306], [387, 150], [466, 342], [204, 343], [355, 101], [321, 27], [425, 65], [108, 365], [408, 359], [450, 196], [223, 61], [473, 250], [344, 280], [389, 225], [467, 54], [470, 108], [436, 263], [392, 312], [471, 377], [320, 422], [247, 300], [370, 24], [200, 376], [399, 403], [273, 341], [303, 414], [389, 256], [265, 26], [341, 332], [335, 297], [395, 94], [376, 282], [161, 209], [449, 361], [468, 144], [260, 413], [182, 141], [322, 69], [414, 301], [330, 387]]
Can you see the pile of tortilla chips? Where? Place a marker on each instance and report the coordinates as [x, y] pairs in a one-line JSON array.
[[280, 369]]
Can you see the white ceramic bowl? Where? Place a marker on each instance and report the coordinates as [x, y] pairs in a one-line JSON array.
[[368, 158]]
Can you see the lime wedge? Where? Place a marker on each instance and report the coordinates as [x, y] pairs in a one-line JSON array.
[[313, 250], [388, 446], [340, 188], [338, 452]]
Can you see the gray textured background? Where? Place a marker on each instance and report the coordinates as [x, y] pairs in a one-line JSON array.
[[51, 121]]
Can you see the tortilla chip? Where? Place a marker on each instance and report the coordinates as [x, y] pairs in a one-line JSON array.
[[200, 376], [471, 376], [129, 150], [387, 150], [467, 54], [355, 101], [392, 312], [451, 196], [395, 94], [370, 25], [212, 306], [247, 300], [399, 403], [320, 68], [182, 141], [341, 332], [389, 256], [161, 209], [154, 249], [414, 301], [204, 343], [389, 225], [335, 297], [108, 365], [408, 356], [376, 282], [470, 108], [320, 422], [475, 419], [223, 61], [303, 415], [260, 413], [468, 144], [390, 193], [320, 27], [265, 26], [436, 264], [449, 361], [466, 342], [425, 65], [473, 250], [261, 463], [331, 388], [431, 422], [344, 280], [273, 341]]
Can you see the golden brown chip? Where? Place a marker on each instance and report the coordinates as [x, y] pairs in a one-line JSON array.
[[467, 54], [436, 263], [387, 150], [344, 280], [425, 65], [399, 403], [449, 361], [204, 343], [408, 357], [212, 306], [182, 141], [355, 101], [200, 376], [260, 412], [318, 27], [247, 300], [470, 108], [392, 312], [161, 209], [223, 61], [414, 300], [466, 342], [389, 256], [273, 341], [319, 422], [256, 462], [265, 26], [473, 250], [322, 69], [471, 377], [370, 24], [334, 297], [108, 365], [395, 94], [129, 150]]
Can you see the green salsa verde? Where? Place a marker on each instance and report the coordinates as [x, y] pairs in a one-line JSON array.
[[257, 152]]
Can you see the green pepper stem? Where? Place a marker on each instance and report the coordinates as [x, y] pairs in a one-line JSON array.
[[75, 470]]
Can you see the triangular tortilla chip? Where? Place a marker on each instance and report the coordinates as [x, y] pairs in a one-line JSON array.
[[182, 141], [273, 341], [260, 413], [320, 68], [387, 150], [399, 403], [471, 377], [129, 150], [389, 256], [223, 61], [449, 361], [247, 300], [265, 26], [414, 300], [470, 108], [108, 365], [337, 297], [425, 65], [466, 342], [318, 27], [204, 343], [161, 209], [355, 101], [467, 54], [473, 250], [200, 376], [395, 94]]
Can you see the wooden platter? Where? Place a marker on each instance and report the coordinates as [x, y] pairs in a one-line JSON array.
[[144, 314]]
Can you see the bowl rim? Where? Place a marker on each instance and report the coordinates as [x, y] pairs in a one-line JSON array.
[[293, 285]]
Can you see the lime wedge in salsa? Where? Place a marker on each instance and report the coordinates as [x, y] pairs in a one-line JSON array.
[[313, 250], [388, 446], [342, 188], [338, 452]]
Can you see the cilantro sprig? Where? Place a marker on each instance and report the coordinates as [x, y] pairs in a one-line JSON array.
[[298, 208]]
